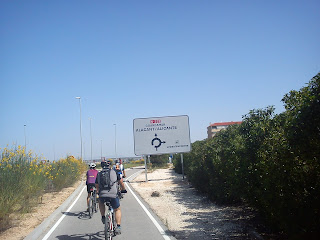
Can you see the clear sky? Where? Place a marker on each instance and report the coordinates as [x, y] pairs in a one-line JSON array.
[[211, 60]]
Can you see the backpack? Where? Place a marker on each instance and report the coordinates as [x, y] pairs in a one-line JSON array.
[[104, 180]]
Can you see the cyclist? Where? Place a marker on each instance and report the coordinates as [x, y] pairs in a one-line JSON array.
[[121, 166], [118, 167], [109, 195], [91, 179]]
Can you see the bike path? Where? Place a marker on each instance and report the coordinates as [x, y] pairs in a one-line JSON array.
[[136, 224]]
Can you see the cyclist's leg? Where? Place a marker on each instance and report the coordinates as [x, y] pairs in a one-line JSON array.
[[123, 188], [89, 194], [115, 203], [121, 183], [118, 215], [88, 198], [102, 206]]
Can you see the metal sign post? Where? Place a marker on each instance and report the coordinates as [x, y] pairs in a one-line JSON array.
[[182, 166], [145, 167]]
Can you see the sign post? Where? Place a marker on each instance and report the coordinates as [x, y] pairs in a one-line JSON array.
[[145, 167], [161, 135], [182, 166]]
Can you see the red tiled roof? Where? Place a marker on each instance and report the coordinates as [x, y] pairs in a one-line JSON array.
[[225, 123]]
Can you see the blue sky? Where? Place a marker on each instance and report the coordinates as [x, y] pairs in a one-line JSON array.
[[211, 60]]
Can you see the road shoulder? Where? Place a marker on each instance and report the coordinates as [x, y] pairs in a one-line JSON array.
[[190, 215]]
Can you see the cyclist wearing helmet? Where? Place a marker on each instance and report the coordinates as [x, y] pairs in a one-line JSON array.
[[91, 179], [109, 194], [118, 167]]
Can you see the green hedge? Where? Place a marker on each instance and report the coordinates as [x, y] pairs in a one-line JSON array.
[[269, 161]]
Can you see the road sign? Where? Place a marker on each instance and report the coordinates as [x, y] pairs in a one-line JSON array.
[[161, 135]]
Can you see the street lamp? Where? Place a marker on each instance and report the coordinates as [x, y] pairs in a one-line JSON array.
[[101, 149], [91, 138], [25, 138], [80, 127], [115, 139]]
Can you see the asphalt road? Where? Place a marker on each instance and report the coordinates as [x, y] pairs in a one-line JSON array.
[[138, 220]]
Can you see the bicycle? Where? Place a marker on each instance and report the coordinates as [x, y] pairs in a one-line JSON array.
[[120, 195], [93, 203], [110, 223]]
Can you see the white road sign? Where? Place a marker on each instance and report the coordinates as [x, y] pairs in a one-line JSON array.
[[160, 135]]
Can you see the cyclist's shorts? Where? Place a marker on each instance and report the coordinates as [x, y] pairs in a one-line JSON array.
[[115, 202], [119, 174], [90, 186]]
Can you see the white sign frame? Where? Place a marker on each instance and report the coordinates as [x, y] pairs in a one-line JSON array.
[[161, 135]]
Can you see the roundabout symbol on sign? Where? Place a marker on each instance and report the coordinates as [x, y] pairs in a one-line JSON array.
[[158, 140]]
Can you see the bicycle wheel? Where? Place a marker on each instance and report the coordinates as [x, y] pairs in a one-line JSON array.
[[119, 192], [95, 201], [90, 207], [93, 205], [114, 225], [97, 205], [108, 228]]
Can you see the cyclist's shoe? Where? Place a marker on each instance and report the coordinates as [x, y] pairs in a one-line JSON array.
[[103, 219], [117, 230], [124, 191]]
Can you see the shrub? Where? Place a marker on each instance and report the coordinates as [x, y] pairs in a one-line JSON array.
[[23, 178], [270, 161]]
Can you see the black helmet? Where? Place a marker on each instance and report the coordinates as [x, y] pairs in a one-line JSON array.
[[105, 164]]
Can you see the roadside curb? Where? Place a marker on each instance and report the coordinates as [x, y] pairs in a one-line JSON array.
[[40, 229]]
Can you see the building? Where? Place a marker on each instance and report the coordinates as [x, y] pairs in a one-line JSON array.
[[212, 129]]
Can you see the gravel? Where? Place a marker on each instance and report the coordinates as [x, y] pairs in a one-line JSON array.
[[190, 215]]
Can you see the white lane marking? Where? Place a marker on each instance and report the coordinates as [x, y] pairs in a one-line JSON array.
[[62, 217], [160, 229]]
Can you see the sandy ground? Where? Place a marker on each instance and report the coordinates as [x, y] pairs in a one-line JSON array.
[[190, 215], [186, 213]]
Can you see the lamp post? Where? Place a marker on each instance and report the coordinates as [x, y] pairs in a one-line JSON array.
[[101, 149], [115, 139], [91, 138], [25, 138], [80, 128]]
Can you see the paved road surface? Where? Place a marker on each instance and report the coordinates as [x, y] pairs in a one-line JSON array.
[[138, 221]]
